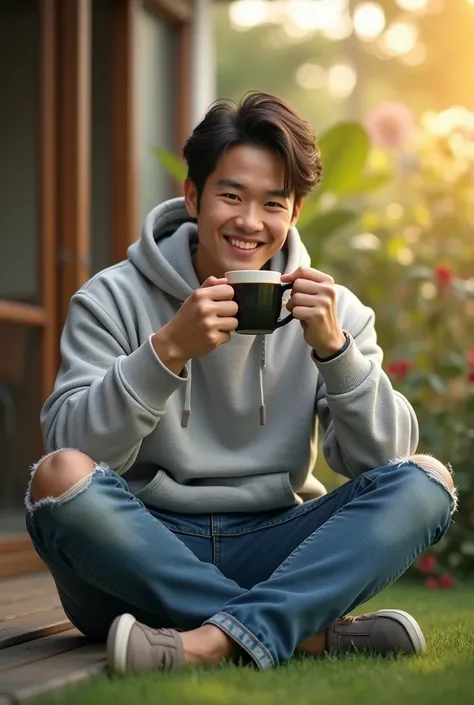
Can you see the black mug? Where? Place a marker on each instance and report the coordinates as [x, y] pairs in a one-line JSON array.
[[258, 294]]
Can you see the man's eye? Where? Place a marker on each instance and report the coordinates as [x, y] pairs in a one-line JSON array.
[[232, 196], [274, 204]]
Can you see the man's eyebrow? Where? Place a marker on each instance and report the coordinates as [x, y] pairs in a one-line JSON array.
[[232, 183]]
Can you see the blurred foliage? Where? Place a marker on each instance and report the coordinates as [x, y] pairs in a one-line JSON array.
[[410, 256]]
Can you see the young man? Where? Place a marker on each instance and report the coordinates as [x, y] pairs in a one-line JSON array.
[[184, 536]]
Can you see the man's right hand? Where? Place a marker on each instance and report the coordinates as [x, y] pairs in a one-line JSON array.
[[202, 324]]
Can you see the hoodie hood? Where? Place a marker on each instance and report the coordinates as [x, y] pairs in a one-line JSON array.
[[164, 253]]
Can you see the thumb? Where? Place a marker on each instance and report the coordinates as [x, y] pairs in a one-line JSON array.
[[213, 281]]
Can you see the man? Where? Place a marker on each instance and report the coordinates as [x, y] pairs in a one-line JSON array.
[[170, 518]]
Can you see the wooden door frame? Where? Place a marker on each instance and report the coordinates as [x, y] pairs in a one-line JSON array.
[[125, 178]]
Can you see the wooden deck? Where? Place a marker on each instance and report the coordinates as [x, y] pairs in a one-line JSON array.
[[40, 650]]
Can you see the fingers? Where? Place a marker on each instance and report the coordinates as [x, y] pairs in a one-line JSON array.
[[307, 300], [215, 292], [213, 281], [309, 274], [226, 324]]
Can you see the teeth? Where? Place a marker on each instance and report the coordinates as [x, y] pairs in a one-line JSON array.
[[243, 245]]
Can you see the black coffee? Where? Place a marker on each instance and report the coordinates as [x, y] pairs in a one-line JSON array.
[[259, 307]]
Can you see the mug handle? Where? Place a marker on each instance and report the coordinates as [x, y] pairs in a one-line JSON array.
[[287, 319]]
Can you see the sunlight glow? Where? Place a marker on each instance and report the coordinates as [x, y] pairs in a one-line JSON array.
[[342, 80], [400, 38], [245, 14], [369, 20], [311, 76], [413, 4]]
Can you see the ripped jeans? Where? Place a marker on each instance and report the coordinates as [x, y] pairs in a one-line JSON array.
[[269, 580]]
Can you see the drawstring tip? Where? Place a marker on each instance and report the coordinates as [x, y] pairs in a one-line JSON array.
[[185, 419], [263, 415]]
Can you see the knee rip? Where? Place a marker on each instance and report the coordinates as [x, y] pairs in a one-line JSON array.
[[76, 488], [435, 470]]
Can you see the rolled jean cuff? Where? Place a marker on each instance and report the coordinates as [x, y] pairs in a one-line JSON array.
[[245, 639]]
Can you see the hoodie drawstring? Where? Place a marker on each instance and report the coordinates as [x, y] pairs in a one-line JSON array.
[[261, 370], [187, 399]]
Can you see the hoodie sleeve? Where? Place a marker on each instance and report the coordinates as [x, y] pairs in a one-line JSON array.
[[107, 398], [367, 423]]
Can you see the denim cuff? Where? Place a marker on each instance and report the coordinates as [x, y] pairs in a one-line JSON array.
[[245, 639]]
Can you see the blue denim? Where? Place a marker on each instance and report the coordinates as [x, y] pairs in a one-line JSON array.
[[269, 579]]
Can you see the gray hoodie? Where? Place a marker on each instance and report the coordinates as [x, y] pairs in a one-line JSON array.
[[115, 401]]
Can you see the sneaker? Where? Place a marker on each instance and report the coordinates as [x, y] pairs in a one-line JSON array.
[[383, 632], [133, 647]]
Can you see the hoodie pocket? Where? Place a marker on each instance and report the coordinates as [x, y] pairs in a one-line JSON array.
[[255, 493]]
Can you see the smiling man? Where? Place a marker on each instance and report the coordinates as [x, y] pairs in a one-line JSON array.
[[196, 538]]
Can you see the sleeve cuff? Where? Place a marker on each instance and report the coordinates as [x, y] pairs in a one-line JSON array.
[[151, 381], [346, 371]]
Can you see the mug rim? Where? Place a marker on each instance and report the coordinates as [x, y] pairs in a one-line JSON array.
[[253, 276]]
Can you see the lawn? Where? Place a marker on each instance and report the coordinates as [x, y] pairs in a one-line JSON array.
[[445, 672]]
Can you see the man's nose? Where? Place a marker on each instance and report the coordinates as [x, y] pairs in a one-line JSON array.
[[249, 221]]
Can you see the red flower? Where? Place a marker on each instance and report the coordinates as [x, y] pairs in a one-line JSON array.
[[427, 564], [399, 369], [443, 275], [432, 583], [446, 581], [470, 376]]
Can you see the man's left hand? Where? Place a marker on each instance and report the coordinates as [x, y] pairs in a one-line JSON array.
[[313, 303]]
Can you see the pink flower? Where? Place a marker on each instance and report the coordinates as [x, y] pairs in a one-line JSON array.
[[443, 275], [470, 358], [432, 583], [446, 581], [390, 125], [427, 564]]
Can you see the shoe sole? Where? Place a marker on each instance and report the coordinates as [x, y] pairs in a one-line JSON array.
[[411, 626], [117, 642]]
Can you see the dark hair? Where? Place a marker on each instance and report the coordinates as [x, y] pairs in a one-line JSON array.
[[262, 120]]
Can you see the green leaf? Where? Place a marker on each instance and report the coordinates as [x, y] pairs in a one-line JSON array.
[[171, 163], [322, 225], [344, 151], [368, 183]]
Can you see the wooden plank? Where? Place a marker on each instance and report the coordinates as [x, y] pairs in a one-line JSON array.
[[124, 214], [33, 605], [17, 589], [33, 626], [33, 679], [20, 563], [74, 148], [47, 183], [39, 649], [22, 313]]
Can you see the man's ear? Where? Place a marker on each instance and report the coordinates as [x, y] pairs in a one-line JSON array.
[[191, 198], [296, 212]]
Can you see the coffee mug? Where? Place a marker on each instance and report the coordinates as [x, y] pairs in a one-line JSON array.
[[258, 294]]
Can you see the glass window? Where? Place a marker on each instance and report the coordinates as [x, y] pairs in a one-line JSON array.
[[19, 88], [157, 100]]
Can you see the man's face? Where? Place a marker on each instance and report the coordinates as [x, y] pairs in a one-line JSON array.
[[244, 214]]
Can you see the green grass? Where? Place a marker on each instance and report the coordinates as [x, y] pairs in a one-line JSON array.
[[445, 672]]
